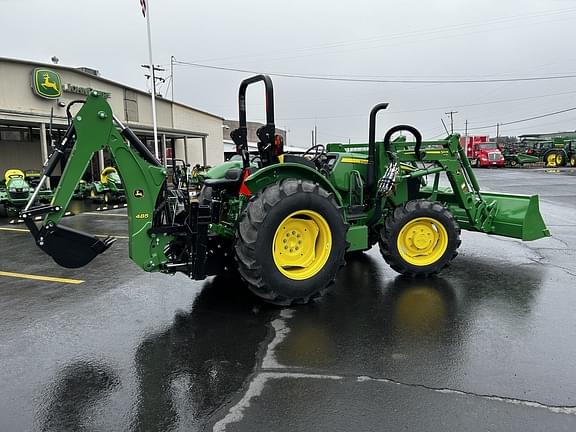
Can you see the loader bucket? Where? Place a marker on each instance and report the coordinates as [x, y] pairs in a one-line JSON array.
[[516, 216]]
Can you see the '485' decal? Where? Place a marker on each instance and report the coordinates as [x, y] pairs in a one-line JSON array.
[[142, 216]]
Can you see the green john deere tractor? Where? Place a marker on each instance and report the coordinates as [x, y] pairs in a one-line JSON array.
[[285, 223], [562, 152]]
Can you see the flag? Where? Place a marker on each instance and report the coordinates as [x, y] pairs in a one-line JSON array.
[[143, 4]]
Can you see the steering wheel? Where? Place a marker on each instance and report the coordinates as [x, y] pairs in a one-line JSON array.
[[315, 152]]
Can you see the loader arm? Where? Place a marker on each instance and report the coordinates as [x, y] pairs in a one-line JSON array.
[[151, 209]]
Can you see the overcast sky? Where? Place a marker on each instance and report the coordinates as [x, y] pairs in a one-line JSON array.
[[427, 39]]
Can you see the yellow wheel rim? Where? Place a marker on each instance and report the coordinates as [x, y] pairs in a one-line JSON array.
[[558, 159], [573, 161], [302, 244], [551, 159], [422, 241]]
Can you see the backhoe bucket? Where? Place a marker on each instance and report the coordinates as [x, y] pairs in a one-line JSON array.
[[516, 216], [70, 248]]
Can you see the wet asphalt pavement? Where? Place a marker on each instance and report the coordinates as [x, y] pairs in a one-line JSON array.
[[488, 346]]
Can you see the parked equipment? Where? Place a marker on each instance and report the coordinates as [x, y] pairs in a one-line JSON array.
[[515, 158], [15, 192], [286, 222], [481, 152], [109, 189], [562, 152], [554, 152]]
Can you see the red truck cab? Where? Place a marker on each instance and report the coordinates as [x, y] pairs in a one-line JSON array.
[[481, 152]]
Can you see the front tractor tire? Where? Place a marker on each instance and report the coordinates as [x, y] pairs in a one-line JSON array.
[[290, 242], [419, 238]]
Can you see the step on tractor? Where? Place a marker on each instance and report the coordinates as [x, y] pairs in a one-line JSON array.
[[283, 222]]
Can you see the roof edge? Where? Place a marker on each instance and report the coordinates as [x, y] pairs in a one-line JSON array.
[[106, 80]]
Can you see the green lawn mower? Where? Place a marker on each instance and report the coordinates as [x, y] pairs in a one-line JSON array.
[[15, 192], [284, 224], [108, 190]]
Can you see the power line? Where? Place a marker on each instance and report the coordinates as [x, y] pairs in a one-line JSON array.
[[436, 108], [400, 35], [341, 78], [524, 119]]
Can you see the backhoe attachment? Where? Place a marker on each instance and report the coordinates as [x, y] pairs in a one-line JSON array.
[[167, 232]]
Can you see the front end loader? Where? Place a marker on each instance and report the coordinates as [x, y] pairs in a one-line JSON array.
[[282, 222]]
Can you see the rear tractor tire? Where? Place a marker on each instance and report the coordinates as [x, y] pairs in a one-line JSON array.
[[420, 238], [290, 242], [554, 159]]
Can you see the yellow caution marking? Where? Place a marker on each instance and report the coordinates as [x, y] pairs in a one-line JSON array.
[[105, 214], [41, 278], [13, 229], [354, 160], [25, 230]]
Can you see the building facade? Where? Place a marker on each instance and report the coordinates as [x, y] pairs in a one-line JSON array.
[[33, 99]]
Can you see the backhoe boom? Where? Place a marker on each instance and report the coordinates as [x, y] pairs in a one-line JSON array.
[[151, 213]]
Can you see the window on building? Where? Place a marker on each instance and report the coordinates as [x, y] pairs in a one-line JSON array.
[[131, 105], [15, 134]]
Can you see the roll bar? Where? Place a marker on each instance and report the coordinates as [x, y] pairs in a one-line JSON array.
[[240, 135]]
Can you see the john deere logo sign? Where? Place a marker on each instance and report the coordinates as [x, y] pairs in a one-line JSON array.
[[46, 83]]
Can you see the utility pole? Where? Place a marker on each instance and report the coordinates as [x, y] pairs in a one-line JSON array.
[[154, 77], [497, 133], [451, 114]]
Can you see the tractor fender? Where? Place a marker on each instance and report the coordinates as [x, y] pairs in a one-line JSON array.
[[274, 173]]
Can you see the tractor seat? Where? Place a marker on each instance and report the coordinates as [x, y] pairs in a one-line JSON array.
[[290, 158], [231, 180]]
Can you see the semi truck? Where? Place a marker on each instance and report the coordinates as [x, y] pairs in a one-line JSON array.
[[481, 152]]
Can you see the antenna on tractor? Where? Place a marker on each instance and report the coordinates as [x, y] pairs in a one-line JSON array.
[[445, 128]]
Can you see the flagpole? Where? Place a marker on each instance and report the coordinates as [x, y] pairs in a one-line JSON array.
[[153, 75]]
